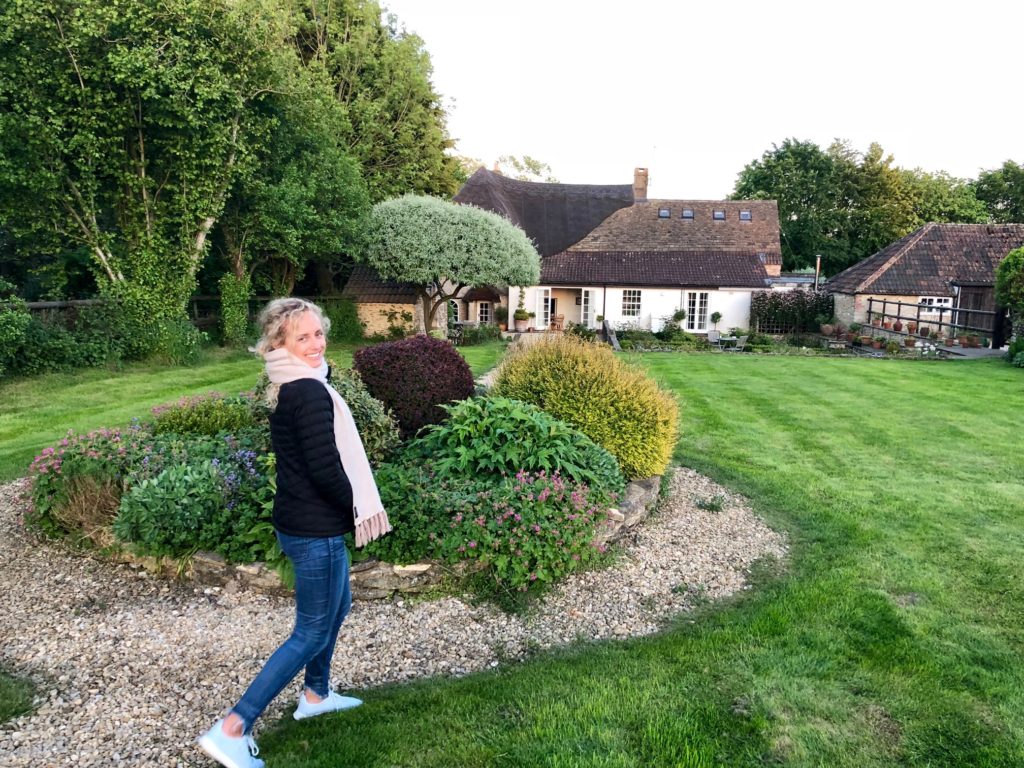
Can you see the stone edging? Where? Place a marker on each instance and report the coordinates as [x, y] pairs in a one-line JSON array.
[[376, 579]]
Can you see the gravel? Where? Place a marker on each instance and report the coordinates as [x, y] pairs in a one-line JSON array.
[[131, 668]]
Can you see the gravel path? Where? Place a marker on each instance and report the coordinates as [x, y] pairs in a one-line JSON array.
[[131, 668]]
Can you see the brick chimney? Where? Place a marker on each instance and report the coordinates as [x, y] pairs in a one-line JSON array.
[[639, 185]]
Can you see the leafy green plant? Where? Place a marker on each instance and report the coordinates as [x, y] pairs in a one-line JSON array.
[[14, 320], [497, 436], [234, 307], [206, 414]]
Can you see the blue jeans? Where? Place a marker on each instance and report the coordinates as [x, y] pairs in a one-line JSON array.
[[322, 600]]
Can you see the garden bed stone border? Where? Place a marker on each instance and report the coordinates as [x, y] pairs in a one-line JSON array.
[[376, 579]]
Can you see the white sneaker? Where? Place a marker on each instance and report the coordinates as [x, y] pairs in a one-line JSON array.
[[230, 751], [333, 703]]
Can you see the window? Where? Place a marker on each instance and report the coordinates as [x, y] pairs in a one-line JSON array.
[[718, 214], [664, 213], [453, 311], [483, 312], [745, 216], [930, 304], [697, 311], [631, 303], [687, 213]]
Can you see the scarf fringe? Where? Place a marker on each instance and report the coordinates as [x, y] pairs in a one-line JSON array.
[[372, 528]]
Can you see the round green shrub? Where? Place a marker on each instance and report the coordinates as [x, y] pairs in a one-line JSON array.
[[414, 377], [620, 408], [377, 426]]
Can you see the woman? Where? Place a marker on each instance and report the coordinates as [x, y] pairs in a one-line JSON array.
[[325, 489]]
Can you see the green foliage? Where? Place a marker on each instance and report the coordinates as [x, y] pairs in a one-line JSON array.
[[381, 75], [441, 246], [795, 311], [479, 334], [528, 530], [1010, 282], [377, 426], [345, 323], [234, 308], [207, 414], [845, 205], [1018, 360], [1002, 192], [14, 321], [110, 143], [619, 408], [497, 436], [580, 331]]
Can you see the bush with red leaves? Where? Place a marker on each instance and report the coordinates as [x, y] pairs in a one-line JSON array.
[[414, 377]]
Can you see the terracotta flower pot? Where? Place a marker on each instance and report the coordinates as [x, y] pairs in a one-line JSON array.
[[897, 326], [948, 341], [909, 342]]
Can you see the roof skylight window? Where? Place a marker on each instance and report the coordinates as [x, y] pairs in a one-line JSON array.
[[745, 216], [718, 214], [664, 213], [687, 213]]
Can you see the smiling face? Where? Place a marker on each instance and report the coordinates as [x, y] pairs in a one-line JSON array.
[[306, 340]]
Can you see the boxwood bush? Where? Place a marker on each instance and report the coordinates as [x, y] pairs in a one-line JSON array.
[[414, 377], [621, 409]]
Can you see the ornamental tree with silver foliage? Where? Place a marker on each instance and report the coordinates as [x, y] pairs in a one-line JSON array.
[[443, 247]]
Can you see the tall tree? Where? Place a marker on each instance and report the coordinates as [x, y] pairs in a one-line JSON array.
[[443, 247], [940, 197], [305, 202], [808, 185], [381, 74], [1002, 191], [122, 126]]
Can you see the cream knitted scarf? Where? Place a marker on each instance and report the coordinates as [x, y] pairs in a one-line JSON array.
[[371, 519]]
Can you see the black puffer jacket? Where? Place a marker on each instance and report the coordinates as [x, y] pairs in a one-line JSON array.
[[314, 496]]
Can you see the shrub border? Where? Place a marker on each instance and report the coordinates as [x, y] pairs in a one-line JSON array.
[[375, 579]]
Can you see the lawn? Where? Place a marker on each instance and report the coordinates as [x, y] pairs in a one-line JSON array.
[[37, 412], [893, 638]]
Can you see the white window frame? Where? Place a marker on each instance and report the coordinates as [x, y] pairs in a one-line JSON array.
[[631, 302], [697, 310], [543, 307], [455, 304], [483, 312], [930, 304]]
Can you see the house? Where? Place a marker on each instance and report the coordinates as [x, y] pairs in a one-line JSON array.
[[646, 261], [554, 216], [382, 304], [942, 274]]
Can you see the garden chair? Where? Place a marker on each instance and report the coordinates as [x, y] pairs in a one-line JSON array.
[[558, 323], [715, 340], [741, 344]]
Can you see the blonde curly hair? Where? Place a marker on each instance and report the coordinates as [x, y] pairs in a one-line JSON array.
[[275, 320]]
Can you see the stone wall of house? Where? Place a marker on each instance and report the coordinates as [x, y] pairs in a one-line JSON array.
[[375, 317], [374, 579]]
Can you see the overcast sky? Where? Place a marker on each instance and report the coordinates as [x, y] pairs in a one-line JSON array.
[[696, 90]]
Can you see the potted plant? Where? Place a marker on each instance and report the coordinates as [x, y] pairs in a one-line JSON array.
[[898, 325], [715, 317], [878, 342], [934, 335], [529, 317], [911, 327], [824, 325], [923, 331], [501, 315], [909, 342], [854, 331], [521, 316]]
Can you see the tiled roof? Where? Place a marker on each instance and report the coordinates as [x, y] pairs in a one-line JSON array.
[[640, 228], [926, 261], [482, 293], [366, 286], [554, 216], [676, 269]]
